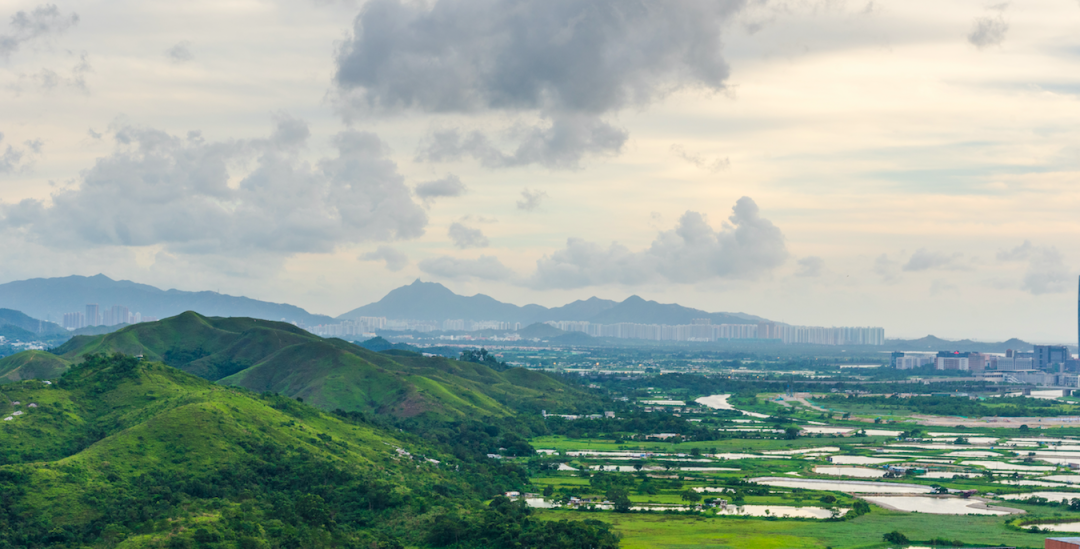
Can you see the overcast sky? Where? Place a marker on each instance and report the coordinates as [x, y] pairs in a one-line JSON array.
[[907, 164]]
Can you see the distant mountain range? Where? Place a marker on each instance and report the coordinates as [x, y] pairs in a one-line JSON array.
[[433, 301], [932, 343], [50, 298], [16, 326]]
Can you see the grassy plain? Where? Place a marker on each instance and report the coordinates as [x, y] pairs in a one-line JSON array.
[[678, 531]]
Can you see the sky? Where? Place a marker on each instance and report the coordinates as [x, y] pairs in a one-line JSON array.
[[905, 164]]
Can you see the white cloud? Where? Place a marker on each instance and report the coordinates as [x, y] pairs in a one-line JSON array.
[[394, 259], [183, 194], [988, 31], [17, 159], [40, 23], [180, 52], [887, 269], [709, 163], [531, 199], [1046, 271], [924, 260], [465, 237], [748, 247], [447, 187], [810, 267]]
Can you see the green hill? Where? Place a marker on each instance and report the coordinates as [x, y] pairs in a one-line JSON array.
[[331, 374], [31, 365], [539, 330], [136, 454]]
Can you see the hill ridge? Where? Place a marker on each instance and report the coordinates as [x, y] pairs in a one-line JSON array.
[[433, 301]]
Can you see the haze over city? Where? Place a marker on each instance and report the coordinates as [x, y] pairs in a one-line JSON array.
[[901, 164]]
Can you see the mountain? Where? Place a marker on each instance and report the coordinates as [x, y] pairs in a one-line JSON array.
[[539, 330], [433, 301], [52, 297], [932, 343], [638, 310], [581, 309], [277, 357], [136, 454], [18, 319]]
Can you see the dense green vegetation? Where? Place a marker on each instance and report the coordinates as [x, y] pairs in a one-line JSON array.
[[127, 453], [328, 373], [31, 365]]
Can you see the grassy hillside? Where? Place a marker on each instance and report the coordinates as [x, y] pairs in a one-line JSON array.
[[133, 454], [331, 374], [31, 365]]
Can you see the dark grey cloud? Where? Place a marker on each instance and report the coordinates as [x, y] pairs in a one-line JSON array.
[[447, 187], [394, 259], [180, 53], [810, 266], [185, 195], [465, 237], [484, 267], [1046, 269], [924, 260], [570, 62], [748, 246], [988, 31], [39, 23], [531, 199]]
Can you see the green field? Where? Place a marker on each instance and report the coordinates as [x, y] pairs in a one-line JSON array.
[[673, 531]]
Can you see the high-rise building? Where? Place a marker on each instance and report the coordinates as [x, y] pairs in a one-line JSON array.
[[1048, 355], [952, 360], [117, 314], [93, 316], [74, 321]]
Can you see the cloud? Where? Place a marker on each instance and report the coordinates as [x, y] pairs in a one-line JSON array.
[[447, 187], [180, 53], [940, 286], [709, 163], [1019, 253], [924, 260], [562, 144], [395, 260], [43, 21], [748, 246], [887, 269], [531, 199], [464, 237], [810, 266], [186, 196], [14, 160], [988, 31], [484, 268], [568, 62], [1046, 272], [48, 80]]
